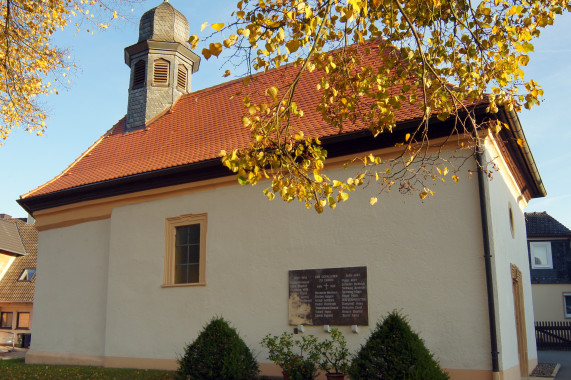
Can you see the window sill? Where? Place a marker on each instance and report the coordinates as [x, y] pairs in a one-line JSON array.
[[183, 285]]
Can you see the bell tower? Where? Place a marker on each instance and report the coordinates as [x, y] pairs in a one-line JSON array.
[[161, 65]]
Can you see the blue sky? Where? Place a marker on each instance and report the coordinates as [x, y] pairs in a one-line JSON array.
[[97, 99]]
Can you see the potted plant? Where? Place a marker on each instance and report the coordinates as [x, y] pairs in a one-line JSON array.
[[297, 357], [334, 355]]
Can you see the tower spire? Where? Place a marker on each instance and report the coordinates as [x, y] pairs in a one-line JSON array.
[[161, 64]]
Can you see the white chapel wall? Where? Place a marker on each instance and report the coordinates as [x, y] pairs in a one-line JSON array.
[[71, 290], [422, 259], [506, 250]]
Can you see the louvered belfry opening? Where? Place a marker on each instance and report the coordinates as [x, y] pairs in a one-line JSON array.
[[181, 77], [161, 72], [161, 65], [139, 74]]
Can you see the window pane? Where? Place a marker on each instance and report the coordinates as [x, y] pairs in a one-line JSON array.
[[23, 320], [194, 256], [194, 234], [193, 273], [181, 235], [6, 320], [181, 255], [180, 274], [540, 253]]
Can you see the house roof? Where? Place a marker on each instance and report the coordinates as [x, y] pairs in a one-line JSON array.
[[191, 134], [12, 290], [541, 224], [10, 239]]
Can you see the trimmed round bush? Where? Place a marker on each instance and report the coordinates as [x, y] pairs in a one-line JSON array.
[[395, 352], [217, 353]]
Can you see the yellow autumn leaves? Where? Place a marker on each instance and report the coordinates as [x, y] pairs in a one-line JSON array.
[[31, 65], [421, 48]]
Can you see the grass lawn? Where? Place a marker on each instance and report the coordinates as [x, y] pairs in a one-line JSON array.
[[17, 369]]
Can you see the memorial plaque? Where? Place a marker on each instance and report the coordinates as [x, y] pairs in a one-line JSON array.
[[331, 296]]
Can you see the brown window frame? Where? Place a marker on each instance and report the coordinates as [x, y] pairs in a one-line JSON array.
[[170, 246]]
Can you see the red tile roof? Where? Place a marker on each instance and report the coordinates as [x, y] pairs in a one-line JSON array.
[[197, 128]]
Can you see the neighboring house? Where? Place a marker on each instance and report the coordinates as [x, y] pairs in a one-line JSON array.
[[146, 236], [18, 249], [549, 244]]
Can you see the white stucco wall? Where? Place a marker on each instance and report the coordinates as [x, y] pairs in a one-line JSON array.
[[507, 250], [71, 289], [99, 283], [423, 259]]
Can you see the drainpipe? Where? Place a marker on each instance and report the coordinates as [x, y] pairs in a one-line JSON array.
[[488, 263]]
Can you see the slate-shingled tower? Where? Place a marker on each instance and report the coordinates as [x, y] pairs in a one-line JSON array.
[[161, 65]]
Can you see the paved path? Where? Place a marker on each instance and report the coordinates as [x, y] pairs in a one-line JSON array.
[[561, 357], [18, 353]]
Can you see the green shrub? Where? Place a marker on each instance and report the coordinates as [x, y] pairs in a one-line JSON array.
[[297, 357], [217, 353], [334, 354], [395, 352]]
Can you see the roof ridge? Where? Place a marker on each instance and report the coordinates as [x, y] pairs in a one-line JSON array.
[[260, 73]]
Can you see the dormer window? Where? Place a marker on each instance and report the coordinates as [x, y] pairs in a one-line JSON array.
[[139, 74], [161, 72], [181, 78], [28, 274], [540, 252]]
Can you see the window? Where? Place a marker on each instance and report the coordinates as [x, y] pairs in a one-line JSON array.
[[6, 320], [139, 74], [181, 78], [28, 274], [161, 72], [567, 304], [23, 321], [185, 256], [540, 252]]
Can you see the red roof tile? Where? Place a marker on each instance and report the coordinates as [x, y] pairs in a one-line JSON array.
[[198, 127]]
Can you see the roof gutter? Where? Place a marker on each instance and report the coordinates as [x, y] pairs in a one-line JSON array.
[[513, 121]]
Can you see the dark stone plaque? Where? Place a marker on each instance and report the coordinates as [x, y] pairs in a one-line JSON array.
[[332, 296]]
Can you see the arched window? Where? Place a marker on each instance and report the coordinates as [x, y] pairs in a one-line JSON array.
[[181, 78], [161, 72], [139, 74]]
